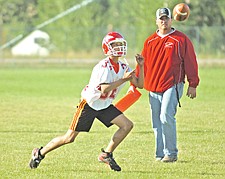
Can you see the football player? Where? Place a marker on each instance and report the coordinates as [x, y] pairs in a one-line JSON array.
[[107, 79]]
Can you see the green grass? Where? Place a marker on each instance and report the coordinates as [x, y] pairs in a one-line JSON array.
[[37, 104]]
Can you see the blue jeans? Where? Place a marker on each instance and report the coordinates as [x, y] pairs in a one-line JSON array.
[[164, 108]]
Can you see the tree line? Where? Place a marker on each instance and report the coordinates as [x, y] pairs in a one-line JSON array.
[[136, 18]]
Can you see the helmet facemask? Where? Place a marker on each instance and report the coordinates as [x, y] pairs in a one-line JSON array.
[[118, 50]]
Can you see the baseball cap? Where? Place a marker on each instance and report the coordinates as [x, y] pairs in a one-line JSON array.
[[163, 12]]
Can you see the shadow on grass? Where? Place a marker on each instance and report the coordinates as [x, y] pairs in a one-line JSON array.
[[33, 131], [109, 171]]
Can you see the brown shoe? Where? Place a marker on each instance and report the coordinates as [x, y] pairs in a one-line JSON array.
[[169, 159]]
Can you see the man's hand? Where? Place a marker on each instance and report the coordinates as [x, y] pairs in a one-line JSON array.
[[191, 92], [139, 59]]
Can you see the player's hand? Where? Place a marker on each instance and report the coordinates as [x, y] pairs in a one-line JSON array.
[[139, 59], [129, 75], [191, 92]]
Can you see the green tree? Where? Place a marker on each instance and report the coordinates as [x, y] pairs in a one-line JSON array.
[[85, 28], [14, 11], [208, 12]]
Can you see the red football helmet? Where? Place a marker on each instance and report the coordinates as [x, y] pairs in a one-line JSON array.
[[113, 37]]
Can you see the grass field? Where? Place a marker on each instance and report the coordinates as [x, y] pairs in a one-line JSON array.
[[37, 104]]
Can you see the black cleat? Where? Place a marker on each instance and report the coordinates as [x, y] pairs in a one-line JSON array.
[[107, 157], [36, 158]]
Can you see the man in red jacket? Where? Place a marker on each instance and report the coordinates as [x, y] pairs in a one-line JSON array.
[[169, 57]]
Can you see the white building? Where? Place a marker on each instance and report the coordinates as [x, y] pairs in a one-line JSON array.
[[35, 44]]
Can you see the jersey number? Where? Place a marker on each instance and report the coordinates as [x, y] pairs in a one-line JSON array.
[[110, 94]]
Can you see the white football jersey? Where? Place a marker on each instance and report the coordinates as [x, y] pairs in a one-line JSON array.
[[103, 72]]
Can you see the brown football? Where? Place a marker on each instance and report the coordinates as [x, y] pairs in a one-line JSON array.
[[181, 12]]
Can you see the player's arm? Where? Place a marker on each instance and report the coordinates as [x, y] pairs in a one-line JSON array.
[[139, 81], [107, 87]]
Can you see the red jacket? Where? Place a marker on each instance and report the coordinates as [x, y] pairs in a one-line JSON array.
[[167, 60]]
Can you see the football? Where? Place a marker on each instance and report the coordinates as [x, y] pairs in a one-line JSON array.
[[181, 12]]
